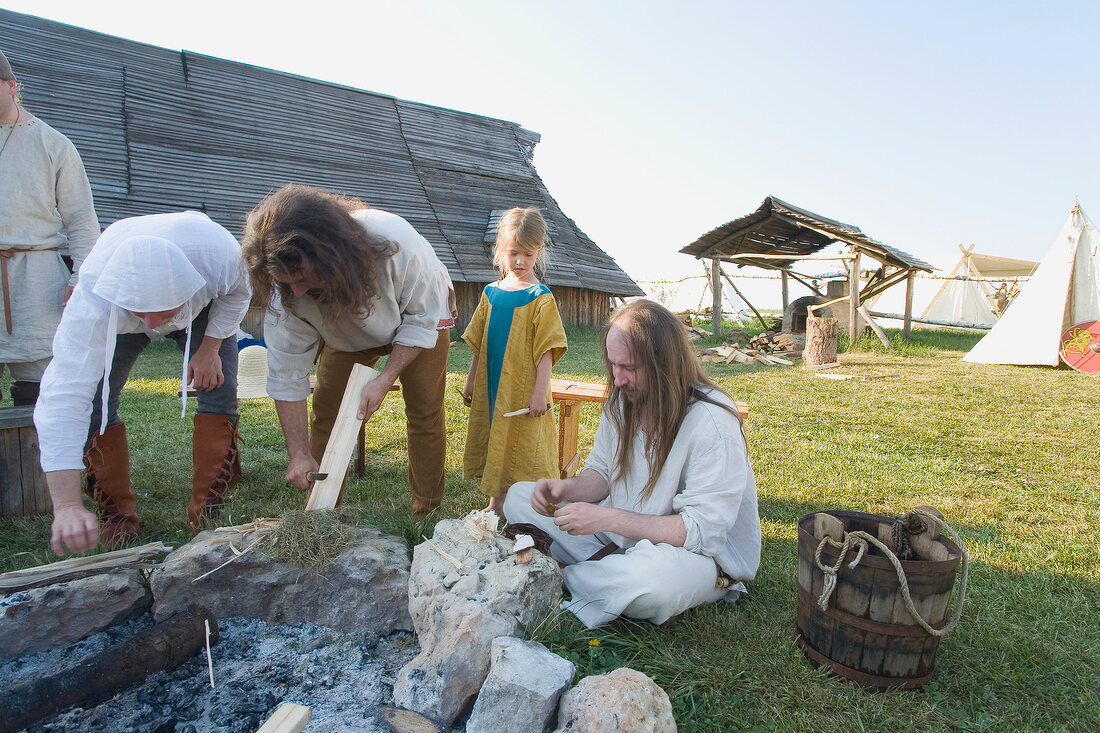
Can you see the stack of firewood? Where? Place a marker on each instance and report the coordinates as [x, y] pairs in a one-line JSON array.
[[770, 342], [733, 353], [695, 333]]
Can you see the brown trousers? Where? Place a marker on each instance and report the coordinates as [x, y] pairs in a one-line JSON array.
[[423, 384]]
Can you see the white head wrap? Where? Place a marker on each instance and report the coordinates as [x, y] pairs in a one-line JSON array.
[[146, 275]]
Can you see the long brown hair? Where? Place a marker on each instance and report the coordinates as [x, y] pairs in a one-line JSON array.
[[304, 229], [674, 381]]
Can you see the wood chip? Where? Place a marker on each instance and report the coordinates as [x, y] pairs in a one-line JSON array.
[[399, 720]]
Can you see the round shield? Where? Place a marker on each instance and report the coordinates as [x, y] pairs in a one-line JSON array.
[[1080, 347]]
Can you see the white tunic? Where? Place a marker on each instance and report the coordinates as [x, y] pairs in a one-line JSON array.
[[706, 479], [45, 204], [80, 346], [412, 302]]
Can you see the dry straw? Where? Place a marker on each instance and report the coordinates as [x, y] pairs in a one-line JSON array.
[[310, 539]]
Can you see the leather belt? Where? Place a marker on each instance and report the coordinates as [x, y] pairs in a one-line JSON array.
[[608, 549], [5, 255]]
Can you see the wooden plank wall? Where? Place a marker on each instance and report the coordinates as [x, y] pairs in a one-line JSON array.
[[577, 305]]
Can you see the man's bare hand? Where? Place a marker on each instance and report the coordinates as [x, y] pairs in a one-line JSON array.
[[75, 529], [204, 371], [297, 470], [549, 493], [371, 399], [580, 517]]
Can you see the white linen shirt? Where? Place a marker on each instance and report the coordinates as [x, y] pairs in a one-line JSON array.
[[411, 303], [706, 479], [65, 404]]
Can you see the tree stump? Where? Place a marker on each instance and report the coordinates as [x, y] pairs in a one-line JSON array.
[[23, 490], [820, 341]]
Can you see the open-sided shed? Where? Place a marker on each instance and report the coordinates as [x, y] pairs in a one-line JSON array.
[[778, 235], [162, 130]]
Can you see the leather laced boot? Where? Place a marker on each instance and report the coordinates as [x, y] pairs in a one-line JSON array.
[[107, 481], [216, 464]]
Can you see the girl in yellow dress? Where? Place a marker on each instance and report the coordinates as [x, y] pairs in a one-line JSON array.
[[517, 336]]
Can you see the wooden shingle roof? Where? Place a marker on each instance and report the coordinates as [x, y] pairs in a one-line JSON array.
[[778, 228], [162, 130]]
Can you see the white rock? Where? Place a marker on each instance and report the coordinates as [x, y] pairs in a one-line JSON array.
[[522, 691], [457, 613], [625, 700]]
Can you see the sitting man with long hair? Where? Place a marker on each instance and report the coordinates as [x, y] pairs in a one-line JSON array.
[[663, 517]]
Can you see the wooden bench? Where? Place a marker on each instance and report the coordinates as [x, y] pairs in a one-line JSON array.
[[568, 395]]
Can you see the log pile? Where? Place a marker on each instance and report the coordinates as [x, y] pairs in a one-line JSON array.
[[765, 348]]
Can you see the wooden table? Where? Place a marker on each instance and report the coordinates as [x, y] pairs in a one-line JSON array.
[[568, 396]]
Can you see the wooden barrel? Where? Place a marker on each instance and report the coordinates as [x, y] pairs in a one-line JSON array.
[[23, 491], [866, 634]]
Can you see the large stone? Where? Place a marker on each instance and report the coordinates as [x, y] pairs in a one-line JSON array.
[[523, 688], [365, 589], [624, 700], [458, 611], [56, 615]]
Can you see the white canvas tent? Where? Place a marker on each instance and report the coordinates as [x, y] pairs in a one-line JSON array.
[[970, 300], [1064, 291]]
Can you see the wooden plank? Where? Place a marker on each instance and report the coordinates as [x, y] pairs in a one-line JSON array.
[[574, 391], [290, 717], [341, 442]]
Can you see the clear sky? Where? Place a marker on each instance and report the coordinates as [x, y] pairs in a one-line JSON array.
[[925, 124]]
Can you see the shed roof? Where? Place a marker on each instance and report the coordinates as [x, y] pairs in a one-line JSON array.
[[162, 130], [778, 228]]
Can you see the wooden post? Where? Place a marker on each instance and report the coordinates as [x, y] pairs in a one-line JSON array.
[[334, 464], [784, 287], [568, 424], [908, 323], [820, 341], [875, 327], [716, 291], [853, 301]]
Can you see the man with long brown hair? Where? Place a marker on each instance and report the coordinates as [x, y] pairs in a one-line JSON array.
[[663, 517], [356, 284]]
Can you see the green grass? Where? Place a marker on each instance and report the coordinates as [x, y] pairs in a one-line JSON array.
[[1008, 454]]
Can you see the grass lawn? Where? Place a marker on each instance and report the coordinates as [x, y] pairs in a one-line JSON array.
[[1008, 454]]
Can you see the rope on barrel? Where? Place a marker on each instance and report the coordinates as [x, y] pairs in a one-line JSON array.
[[859, 540]]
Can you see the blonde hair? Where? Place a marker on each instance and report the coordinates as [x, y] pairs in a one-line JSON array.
[[526, 229]]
